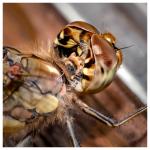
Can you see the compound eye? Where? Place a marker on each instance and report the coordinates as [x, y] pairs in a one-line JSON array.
[[109, 38]]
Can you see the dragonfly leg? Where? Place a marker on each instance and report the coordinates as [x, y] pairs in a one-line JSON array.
[[70, 127], [107, 120], [26, 142]]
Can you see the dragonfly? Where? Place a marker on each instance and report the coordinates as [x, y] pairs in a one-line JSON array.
[[41, 88]]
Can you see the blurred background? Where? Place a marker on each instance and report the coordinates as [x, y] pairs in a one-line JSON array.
[[25, 24]]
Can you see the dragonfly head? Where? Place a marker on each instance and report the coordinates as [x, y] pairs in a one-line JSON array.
[[88, 58]]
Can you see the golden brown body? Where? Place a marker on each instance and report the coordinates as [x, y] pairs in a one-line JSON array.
[[39, 90]]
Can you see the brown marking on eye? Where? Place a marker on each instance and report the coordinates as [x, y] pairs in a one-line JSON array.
[[103, 50]]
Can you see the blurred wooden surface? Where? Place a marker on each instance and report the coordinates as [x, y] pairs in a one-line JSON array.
[[24, 25]]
